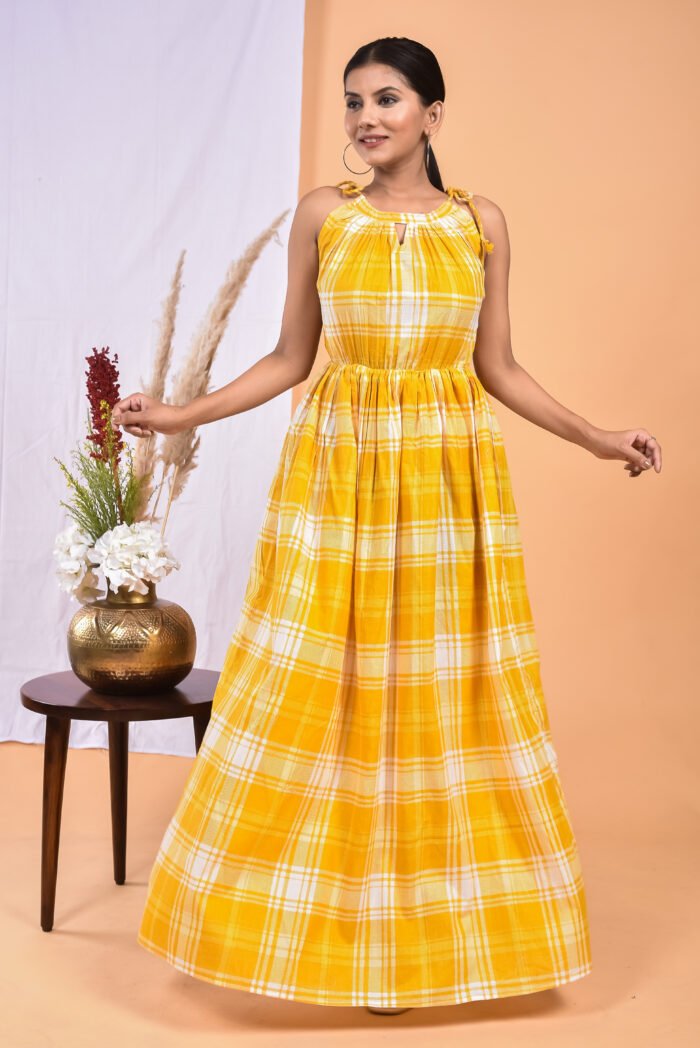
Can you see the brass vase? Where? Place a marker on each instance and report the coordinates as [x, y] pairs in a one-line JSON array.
[[129, 643]]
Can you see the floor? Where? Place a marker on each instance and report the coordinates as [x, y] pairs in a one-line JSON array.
[[89, 979]]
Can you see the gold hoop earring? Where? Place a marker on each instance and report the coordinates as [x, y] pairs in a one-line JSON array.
[[349, 168]]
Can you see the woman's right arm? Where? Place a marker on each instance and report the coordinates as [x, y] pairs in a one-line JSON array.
[[292, 358], [289, 363]]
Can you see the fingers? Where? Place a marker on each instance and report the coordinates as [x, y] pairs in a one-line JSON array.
[[125, 419], [134, 402], [653, 450], [640, 465], [131, 414], [138, 431], [643, 460], [123, 410]]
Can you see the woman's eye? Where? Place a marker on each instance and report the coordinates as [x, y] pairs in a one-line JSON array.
[[352, 104]]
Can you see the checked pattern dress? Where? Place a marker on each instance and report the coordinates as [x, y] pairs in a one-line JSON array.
[[375, 815]]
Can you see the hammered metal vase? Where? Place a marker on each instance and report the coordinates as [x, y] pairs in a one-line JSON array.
[[131, 643]]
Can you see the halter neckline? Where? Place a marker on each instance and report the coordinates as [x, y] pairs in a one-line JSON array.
[[403, 215], [350, 188], [355, 189]]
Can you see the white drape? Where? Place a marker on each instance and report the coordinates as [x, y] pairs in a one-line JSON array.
[[128, 132]]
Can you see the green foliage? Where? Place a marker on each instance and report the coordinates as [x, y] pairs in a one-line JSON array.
[[94, 505]]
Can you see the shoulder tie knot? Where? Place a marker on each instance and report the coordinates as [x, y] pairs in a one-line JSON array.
[[348, 186], [468, 197]]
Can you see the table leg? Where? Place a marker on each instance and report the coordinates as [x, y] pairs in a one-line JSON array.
[[200, 723], [55, 754], [118, 779]]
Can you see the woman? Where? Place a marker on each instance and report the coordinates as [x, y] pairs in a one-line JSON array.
[[375, 815]]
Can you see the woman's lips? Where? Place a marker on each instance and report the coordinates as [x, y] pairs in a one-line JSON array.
[[378, 139]]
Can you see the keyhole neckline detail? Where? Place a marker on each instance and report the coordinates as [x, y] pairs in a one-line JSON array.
[[401, 216], [350, 188]]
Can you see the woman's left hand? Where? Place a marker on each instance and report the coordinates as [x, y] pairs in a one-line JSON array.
[[637, 446]]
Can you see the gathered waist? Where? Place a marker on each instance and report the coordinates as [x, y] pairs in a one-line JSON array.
[[465, 367]]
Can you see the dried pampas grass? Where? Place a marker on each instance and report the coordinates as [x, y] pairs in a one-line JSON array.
[[178, 451], [144, 456]]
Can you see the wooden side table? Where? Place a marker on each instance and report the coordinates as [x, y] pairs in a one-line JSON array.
[[62, 697]]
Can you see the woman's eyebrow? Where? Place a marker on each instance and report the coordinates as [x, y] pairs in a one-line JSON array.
[[379, 92]]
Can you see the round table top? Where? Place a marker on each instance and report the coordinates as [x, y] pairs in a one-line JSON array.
[[63, 694]]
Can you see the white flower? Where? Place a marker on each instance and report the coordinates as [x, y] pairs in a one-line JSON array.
[[70, 552], [131, 555], [128, 555]]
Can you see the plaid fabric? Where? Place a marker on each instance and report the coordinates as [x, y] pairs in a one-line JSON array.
[[375, 815]]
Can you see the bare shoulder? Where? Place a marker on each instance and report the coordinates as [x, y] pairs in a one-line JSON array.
[[487, 207], [314, 207], [492, 218]]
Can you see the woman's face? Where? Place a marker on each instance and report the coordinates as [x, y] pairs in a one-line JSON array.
[[378, 101]]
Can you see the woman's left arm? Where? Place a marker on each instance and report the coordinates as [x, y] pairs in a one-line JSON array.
[[502, 376]]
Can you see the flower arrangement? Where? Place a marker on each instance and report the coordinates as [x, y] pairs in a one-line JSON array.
[[105, 534], [110, 532]]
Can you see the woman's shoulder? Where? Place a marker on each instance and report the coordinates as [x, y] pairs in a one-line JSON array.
[[487, 214], [317, 205], [493, 223], [483, 204], [340, 191], [488, 209]]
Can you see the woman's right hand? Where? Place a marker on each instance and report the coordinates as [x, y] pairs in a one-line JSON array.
[[142, 416]]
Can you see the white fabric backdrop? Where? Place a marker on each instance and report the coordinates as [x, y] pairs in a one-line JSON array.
[[128, 132]]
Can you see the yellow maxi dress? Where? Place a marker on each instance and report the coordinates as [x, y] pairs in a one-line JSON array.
[[375, 816]]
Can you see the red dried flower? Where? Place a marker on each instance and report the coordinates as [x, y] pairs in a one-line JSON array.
[[102, 384]]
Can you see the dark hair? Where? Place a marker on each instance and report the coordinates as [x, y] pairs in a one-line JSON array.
[[421, 70]]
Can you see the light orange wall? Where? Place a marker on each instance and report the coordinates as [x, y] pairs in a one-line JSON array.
[[577, 120]]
